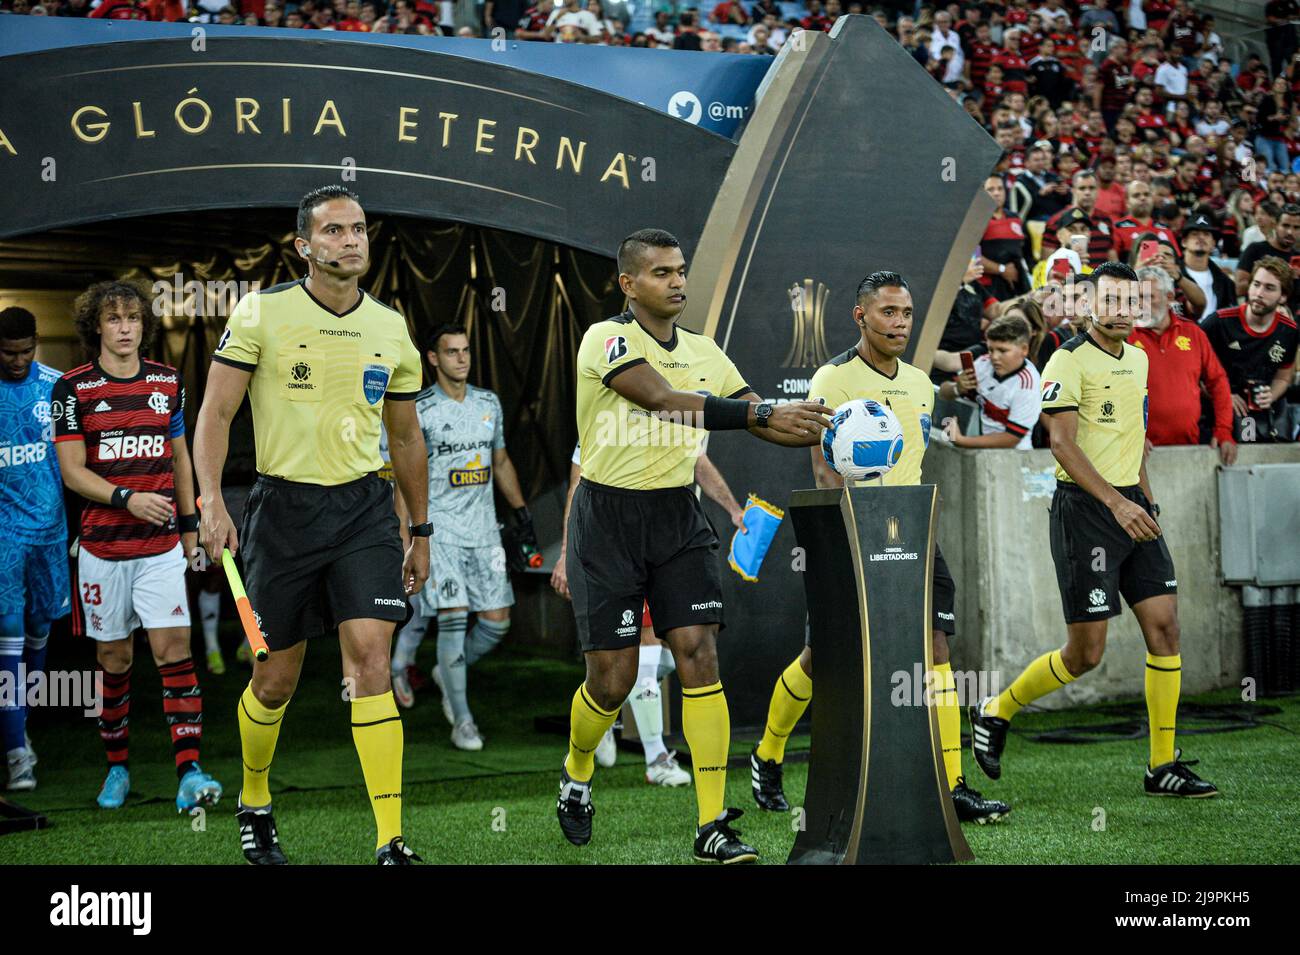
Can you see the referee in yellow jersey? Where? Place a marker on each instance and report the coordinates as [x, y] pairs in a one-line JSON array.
[[1105, 536], [647, 391], [322, 363]]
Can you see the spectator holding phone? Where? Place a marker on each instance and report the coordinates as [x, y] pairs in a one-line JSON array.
[[1001, 380]]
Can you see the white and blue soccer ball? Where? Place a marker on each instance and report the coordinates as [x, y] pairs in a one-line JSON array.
[[864, 440]]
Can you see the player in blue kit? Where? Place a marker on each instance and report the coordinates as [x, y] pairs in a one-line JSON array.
[[33, 550]]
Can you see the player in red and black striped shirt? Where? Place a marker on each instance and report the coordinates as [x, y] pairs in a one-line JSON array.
[[120, 436]]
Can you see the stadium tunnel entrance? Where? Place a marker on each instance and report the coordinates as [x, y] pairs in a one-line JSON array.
[[524, 301]]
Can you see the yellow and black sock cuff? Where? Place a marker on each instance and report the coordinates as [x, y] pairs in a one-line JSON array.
[[255, 711], [373, 710], [1171, 664], [591, 704], [699, 693], [1056, 663]]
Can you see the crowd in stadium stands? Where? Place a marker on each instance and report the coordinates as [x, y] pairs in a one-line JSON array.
[[1127, 130]]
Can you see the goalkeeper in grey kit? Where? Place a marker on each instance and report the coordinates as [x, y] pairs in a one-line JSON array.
[[465, 437]]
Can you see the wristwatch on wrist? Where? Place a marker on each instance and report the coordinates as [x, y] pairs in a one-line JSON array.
[[1155, 510], [421, 530], [762, 411], [1002, 269]]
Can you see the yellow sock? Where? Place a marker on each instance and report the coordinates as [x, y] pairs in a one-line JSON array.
[[377, 734], [1041, 677], [259, 728], [1163, 683], [587, 724], [790, 697], [946, 708], [706, 724]]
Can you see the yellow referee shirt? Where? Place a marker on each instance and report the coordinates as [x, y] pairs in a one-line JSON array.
[[623, 445], [910, 394], [1110, 395], [319, 380]]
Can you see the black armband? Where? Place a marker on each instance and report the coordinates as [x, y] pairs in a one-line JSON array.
[[120, 496], [187, 523], [725, 414]]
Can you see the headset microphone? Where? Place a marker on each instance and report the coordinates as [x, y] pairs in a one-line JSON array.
[[306, 254]]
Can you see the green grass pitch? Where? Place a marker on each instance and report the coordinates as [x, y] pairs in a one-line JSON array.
[[1072, 803]]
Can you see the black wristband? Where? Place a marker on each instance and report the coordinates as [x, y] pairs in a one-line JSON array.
[[187, 523], [120, 496], [726, 414]]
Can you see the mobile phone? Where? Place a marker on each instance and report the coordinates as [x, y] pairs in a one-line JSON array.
[[978, 254], [967, 361], [1148, 250]]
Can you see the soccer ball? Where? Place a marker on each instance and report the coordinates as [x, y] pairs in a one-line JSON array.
[[864, 440]]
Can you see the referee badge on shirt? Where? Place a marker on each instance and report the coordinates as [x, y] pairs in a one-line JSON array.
[[374, 382]]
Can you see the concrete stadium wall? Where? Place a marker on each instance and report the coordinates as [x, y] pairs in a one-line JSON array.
[[993, 529]]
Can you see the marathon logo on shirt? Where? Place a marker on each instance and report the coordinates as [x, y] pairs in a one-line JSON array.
[[15, 455], [472, 474], [124, 447]]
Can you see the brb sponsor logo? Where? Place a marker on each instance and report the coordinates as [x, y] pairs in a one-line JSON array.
[[124, 447], [14, 455]]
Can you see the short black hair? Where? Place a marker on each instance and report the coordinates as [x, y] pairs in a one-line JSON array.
[[1290, 209], [446, 328], [1271, 207], [1114, 270], [631, 251], [319, 196], [874, 282], [17, 323]]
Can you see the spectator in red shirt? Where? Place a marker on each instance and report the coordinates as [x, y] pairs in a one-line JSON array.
[[1111, 198], [730, 11], [1015, 69], [1115, 82], [980, 55], [1101, 244], [1137, 220], [121, 10], [1181, 363], [816, 19], [1150, 122]]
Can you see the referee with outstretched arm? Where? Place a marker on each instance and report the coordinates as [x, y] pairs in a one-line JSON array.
[[322, 362]]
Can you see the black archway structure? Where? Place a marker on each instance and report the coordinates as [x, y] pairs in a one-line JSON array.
[[853, 159]]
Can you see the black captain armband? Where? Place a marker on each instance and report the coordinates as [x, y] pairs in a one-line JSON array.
[[726, 414], [120, 496], [187, 523]]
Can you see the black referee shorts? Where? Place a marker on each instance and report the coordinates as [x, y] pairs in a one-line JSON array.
[[945, 599], [1097, 562], [628, 546], [315, 556]]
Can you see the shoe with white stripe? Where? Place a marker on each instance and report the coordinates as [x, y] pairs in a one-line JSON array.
[[718, 842], [1175, 779], [258, 838], [574, 809], [765, 779], [988, 737]]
